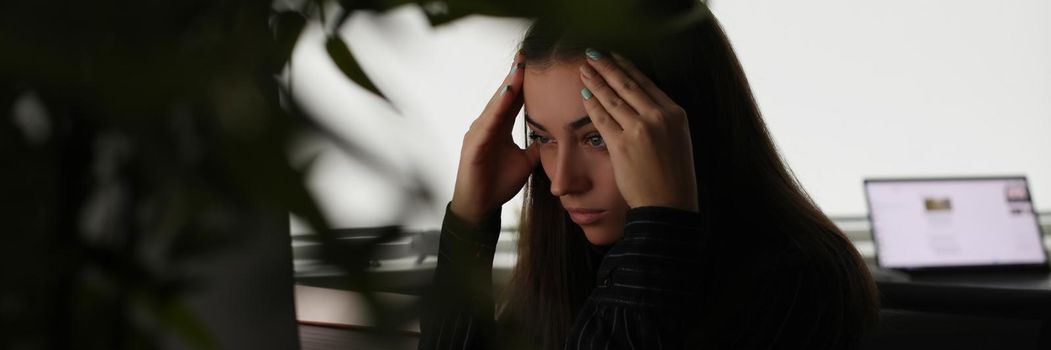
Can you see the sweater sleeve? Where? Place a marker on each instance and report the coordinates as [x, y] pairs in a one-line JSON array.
[[458, 311]]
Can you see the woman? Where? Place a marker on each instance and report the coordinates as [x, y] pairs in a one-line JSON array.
[[660, 215]]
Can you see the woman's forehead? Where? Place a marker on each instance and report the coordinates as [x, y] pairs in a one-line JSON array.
[[552, 96]]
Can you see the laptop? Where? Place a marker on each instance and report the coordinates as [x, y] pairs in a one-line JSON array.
[[982, 230]]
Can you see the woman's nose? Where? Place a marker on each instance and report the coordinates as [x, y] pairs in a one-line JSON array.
[[569, 176]]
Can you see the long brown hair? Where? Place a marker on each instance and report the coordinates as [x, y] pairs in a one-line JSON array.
[[743, 184]]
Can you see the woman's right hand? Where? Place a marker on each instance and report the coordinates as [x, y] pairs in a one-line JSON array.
[[492, 167]]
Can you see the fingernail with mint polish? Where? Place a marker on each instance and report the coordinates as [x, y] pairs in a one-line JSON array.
[[593, 54], [516, 67], [505, 89], [585, 93]]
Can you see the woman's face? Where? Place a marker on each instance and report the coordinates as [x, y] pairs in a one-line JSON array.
[[572, 152]]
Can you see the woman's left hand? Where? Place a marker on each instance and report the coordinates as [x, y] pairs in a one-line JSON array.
[[647, 134]]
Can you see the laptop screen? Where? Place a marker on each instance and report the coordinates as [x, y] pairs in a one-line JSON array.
[[926, 223]]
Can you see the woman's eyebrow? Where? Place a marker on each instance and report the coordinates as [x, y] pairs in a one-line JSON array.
[[574, 125]]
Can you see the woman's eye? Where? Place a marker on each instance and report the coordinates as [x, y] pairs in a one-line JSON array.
[[537, 138], [596, 141]]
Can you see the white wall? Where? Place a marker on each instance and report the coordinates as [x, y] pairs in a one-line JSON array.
[[855, 89], [849, 90]]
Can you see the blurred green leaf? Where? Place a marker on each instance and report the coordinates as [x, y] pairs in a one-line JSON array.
[[441, 12], [344, 59], [348, 7], [179, 317], [288, 26]]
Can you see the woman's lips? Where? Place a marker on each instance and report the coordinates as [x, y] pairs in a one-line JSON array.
[[585, 216]]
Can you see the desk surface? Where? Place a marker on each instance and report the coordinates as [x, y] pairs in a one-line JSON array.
[[1024, 300]]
